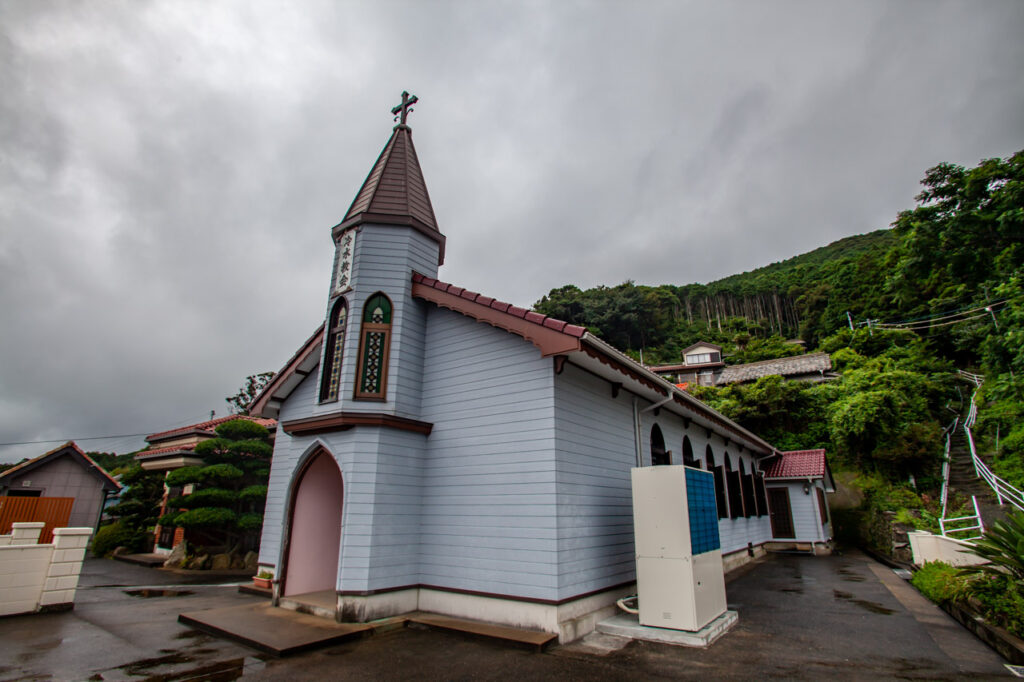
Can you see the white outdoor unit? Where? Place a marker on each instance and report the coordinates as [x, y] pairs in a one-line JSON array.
[[680, 581]]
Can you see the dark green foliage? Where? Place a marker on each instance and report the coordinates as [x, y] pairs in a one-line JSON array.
[[112, 462], [135, 514], [254, 492], [1002, 601], [230, 488], [247, 393], [206, 517], [1003, 546], [250, 521], [940, 582], [206, 497], [110, 537]]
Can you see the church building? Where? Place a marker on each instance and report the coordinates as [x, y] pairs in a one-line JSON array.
[[442, 451]]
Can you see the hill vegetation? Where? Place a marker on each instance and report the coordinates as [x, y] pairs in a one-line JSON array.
[[898, 310]]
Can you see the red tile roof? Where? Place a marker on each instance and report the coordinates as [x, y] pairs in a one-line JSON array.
[[72, 449], [798, 464], [209, 426], [165, 450], [501, 306]]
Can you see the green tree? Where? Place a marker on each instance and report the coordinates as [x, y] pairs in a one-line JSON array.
[[254, 383], [135, 514], [229, 488]]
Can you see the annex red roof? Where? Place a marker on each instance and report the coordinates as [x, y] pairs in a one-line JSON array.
[[798, 464], [207, 427]]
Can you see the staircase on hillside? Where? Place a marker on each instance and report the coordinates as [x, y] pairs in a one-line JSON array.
[[964, 481]]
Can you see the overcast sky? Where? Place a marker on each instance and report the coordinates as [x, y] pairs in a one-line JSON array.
[[170, 171]]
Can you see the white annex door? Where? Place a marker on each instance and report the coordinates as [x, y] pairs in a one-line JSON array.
[[315, 532]]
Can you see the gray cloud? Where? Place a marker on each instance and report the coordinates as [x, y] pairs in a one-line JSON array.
[[169, 171]]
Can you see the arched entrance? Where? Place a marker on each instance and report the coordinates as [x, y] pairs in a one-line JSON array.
[[314, 533]]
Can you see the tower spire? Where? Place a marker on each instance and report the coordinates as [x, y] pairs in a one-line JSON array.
[[394, 193]]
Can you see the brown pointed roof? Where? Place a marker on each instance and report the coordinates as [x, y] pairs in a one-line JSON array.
[[394, 192]]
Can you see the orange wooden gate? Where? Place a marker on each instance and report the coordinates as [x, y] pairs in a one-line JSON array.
[[53, 511]]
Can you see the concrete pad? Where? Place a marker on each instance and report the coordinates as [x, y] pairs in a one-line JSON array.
[[276, 631], [628, 625]]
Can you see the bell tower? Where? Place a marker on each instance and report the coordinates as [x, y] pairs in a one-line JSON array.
[[373, 343]]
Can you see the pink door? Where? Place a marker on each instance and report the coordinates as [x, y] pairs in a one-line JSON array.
[[315, 533]]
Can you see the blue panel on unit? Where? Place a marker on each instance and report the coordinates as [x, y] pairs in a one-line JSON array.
[[700, 497]]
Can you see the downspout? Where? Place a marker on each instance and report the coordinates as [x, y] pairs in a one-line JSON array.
[[636, 432]]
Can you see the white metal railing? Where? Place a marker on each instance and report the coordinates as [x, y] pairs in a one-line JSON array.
[[945, 466], [977, 524], [1003, 490]]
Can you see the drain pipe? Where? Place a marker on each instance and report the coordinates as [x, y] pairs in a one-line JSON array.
[[636, 432]]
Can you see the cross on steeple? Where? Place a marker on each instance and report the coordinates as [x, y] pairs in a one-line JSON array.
[[402, 110]]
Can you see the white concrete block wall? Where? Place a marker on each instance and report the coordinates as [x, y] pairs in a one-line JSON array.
[[33, 576]]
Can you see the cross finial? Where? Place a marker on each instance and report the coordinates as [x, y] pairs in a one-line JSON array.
[[403, 109]]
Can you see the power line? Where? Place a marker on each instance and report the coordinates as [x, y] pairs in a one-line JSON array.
[[64, 440]]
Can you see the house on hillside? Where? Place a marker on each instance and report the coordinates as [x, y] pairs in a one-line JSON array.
[[796, 486], [702, 365], [173, 449], [64, 472], [441, 450]]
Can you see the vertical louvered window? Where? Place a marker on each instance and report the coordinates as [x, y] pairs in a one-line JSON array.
[[733, 486], [747, 488], [374, 345], [330, 378], [688, 458], [719, 473], [762, 496]]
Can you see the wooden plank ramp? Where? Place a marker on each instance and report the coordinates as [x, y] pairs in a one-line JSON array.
[[276, 631], [530, 639]]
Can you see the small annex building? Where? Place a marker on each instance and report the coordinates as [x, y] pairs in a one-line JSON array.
[[797, 482], [443, 451], [64, 472]]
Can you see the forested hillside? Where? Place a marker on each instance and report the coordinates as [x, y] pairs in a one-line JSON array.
[[942, 289]]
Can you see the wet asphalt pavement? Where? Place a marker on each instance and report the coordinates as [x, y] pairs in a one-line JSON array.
[[801, 617]]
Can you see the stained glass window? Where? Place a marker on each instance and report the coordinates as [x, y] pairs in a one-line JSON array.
[[331, 377], [374, 344]]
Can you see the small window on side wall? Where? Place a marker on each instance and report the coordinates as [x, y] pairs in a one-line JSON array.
[[374, 348], [330, 378], [659, 455]]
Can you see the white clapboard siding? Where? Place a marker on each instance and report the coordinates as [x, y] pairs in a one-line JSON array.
[[488, 515], [595, 507], [807, 524], [384, 260]]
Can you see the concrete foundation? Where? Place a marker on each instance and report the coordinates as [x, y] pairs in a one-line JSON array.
[[628, 625]]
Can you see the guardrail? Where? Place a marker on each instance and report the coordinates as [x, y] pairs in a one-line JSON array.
[[1003, 490], [945, 465], [978, 525]]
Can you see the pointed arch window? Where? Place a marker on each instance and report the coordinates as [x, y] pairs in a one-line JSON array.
[[688, 458], [659, 455], [374, 347], [330, 379]]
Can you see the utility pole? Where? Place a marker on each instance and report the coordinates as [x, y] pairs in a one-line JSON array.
[[849, 318]]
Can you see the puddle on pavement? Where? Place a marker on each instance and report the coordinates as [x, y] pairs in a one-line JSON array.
[[850, 576], [219, 671], [871, 606], [149, 594]]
